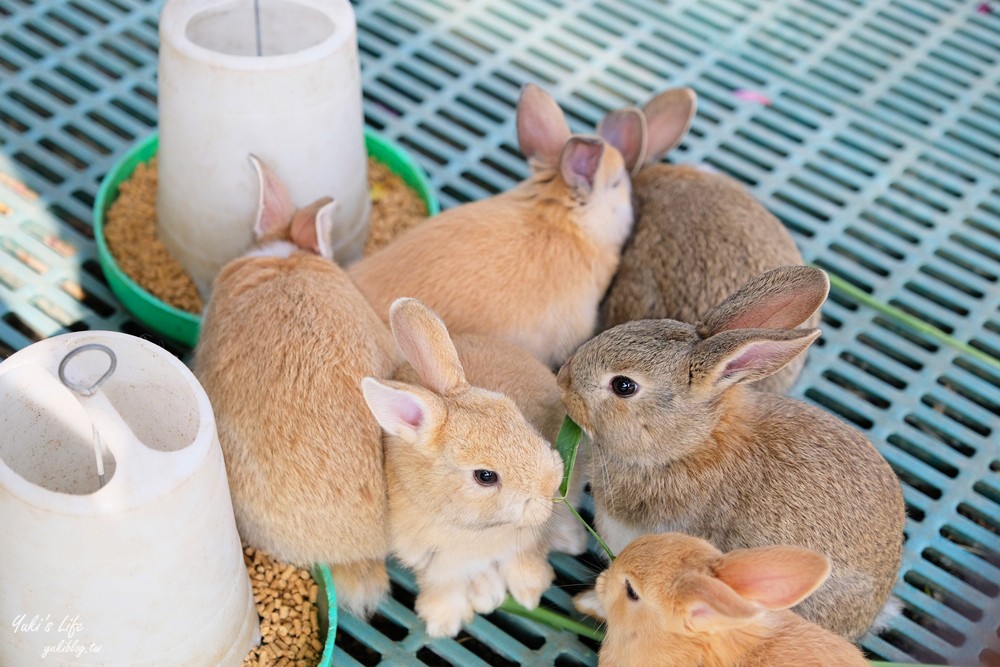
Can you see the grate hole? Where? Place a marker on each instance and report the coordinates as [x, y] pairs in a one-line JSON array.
[[388, 627], [77, 223], [963, 391], [839, 408], [939, 434], [63, 154], [100, 307], [920, 315], [934, 625], [987, 492], [948, 411], [135, 329], [874, 243], [851, 278], [936, 592], [974, 579], [856, 389], [873, 370], [971, 546], [20, 326], [134, 112], [5, 350], [484, 651], [913, 513], [952, 282], [892, 353], [936, 299], [858, 259], [427, 656], [978, 518], [38, 168], [985, 347], [519, 631], [922, 454], [978, 371], [357, 649], [917, 483], [564, 660], [989, 658]]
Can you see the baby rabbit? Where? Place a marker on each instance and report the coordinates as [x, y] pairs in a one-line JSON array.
[[679, 445], [503, 367], [284, 342], [471, 483], [698, 236], [529, 265], [672, 601]]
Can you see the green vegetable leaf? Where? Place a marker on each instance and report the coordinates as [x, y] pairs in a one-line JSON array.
[[567, 444]]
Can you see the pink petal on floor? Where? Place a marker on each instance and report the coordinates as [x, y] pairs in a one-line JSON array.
[[752, 96], [984, 8]]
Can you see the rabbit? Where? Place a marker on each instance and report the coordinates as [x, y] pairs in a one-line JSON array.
[[698, 235], [529, 265], [503, 367], [471, 484], [286, 338], [678, 444], [673, 600]]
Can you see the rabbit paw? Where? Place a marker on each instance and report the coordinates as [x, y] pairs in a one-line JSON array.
[[444, 612], [527, 577], [487, 591]]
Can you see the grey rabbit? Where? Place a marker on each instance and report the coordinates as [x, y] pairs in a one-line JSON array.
[[679, 444]]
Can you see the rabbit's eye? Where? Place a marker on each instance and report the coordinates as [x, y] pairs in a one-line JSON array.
[[630, 592], [486, 477], [623, 386]]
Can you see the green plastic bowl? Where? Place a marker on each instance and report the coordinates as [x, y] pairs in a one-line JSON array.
[[179, 325]]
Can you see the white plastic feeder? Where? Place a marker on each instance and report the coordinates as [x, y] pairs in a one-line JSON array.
[[126, 558], [297, 106]]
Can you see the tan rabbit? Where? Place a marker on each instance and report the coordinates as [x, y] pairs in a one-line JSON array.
[[471, 483], [503, 367], [698, 235], [284, 342], [529, 265], [673, 601], [680, 445]]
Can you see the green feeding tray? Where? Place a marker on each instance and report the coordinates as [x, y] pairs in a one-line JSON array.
[[174, 323]]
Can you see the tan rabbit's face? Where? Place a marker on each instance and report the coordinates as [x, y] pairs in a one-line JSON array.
[[628, 388], [501, 470], [644, 589]]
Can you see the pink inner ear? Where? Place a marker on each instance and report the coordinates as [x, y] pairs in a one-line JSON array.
[[755, 357], [580, 160], [410, 413], [768, 315]]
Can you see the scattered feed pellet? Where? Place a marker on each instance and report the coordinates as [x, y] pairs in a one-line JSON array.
[[130, 231], [285, 596]]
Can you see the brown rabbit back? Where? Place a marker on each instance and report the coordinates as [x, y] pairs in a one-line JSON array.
[[281, 354]]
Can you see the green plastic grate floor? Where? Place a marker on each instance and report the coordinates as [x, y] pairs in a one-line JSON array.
[[872, 131]]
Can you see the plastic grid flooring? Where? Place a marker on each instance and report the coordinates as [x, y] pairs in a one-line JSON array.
[[879, 149]]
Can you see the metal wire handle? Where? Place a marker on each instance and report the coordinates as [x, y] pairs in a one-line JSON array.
[[85, 390], [82, 389]]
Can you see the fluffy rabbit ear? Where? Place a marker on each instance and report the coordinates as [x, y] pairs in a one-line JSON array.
[[542, 130], [713, 606], [776, 577], [274, 205], [668, 119], [424, 341], [781, 298], [312, 225], [746, 355], [579, 162], [625, 129], [400, 412]]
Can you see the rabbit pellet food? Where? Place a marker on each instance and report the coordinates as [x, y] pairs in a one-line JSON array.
[[130, 231], [285, 597], [131, 235]]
